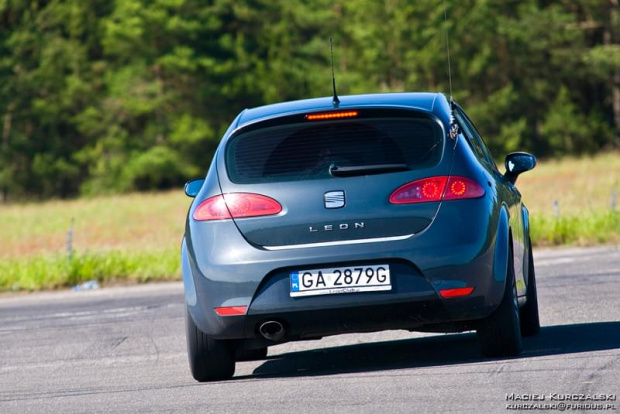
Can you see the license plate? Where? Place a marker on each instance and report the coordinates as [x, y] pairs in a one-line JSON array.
[[340, 280]]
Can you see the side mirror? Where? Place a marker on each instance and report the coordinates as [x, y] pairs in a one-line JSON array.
[[192, 187], [517, 163]]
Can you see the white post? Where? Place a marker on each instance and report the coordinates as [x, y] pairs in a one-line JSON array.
[[70, 241]]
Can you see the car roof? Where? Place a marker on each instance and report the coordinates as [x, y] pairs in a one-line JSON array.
[[423, 101]]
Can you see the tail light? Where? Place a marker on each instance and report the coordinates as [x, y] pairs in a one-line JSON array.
[[236, 205], [437, 189], [461, 187]]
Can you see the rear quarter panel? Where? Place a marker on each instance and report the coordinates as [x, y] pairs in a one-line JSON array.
[[505, 212]]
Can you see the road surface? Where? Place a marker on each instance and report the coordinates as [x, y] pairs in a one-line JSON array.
[[123, 350]]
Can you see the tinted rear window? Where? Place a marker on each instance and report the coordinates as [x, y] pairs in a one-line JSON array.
[[302, 151]]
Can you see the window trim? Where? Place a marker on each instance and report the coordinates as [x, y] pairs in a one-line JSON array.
[[467, 125]]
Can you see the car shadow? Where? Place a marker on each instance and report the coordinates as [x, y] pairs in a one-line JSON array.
[[435, 351]]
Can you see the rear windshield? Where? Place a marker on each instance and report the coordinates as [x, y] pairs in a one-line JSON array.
[[302, 151]]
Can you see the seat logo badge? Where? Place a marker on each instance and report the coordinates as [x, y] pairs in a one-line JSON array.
[[334, 199]]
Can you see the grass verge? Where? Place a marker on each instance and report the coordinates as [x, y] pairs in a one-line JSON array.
[[57, 271], [576, 229]]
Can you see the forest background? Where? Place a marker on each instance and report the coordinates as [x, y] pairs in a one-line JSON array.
[[102, 96]]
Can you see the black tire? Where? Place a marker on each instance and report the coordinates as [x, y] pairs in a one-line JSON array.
[[500, 333], [209, 359], [530, 321], [251, 354]]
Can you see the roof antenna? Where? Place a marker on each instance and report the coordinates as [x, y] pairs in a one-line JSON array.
[[335, 99], [454, 128]]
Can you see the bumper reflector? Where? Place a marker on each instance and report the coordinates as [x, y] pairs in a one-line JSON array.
[[453, 293], [231, 310]]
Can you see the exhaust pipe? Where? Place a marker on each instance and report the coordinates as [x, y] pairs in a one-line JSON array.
[[272, 330]]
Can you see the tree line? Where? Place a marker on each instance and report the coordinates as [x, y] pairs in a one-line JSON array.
[[121, 95]]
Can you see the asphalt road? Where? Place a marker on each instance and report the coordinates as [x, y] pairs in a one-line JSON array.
[[123, 350]]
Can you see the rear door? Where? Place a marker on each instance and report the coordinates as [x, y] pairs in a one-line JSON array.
[[333, 175]]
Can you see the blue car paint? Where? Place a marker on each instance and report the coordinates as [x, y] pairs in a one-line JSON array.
[[466, 240]]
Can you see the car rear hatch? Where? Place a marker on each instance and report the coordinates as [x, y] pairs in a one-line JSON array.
[[333, 174]]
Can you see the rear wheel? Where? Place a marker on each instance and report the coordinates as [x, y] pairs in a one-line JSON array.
[[500, 333], [209, 359], [530, 322]]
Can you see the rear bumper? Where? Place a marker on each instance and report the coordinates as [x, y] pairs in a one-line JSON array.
[[412, 305], [317, 323], [234, 273]]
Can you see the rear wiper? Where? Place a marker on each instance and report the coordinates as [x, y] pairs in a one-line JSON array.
[[366, 169]]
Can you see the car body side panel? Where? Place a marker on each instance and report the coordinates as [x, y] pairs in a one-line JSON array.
[[189, 287], [526, 259], [509, 195], [512, 199]]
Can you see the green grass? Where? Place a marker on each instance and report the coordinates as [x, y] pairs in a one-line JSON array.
[[57, 271], [596, 228], [582, 188], [136, 237]]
